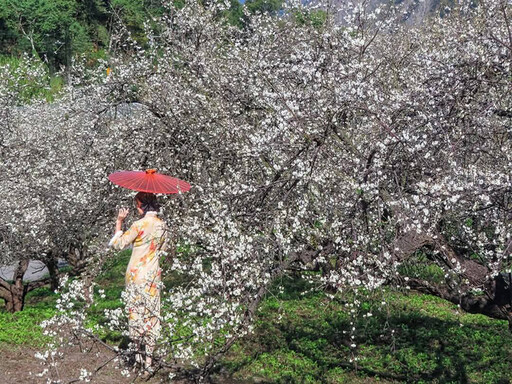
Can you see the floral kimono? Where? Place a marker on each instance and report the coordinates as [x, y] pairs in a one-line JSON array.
[[148, 236]]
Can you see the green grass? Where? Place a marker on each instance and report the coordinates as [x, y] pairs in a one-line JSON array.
[[419, 266], [22, 328], [413, 339], [305, 337]]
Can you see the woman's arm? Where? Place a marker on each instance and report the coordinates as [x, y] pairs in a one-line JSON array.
[[122, 240]]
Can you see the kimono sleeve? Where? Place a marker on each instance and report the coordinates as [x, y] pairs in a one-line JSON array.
[[122, 240]]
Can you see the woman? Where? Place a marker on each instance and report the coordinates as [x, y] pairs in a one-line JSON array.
[[148, 236]]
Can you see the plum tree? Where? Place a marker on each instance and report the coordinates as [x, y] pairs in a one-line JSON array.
[[343, 147]]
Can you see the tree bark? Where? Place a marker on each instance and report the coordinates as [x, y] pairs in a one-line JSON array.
[[490, 303], [53, 270], [14, 293], [495, 296], [77, 259]]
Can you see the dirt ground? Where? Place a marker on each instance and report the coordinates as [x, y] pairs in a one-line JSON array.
[[19, 366]]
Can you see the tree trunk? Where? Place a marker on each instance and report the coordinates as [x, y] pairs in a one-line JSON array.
[[495, 299], [14, 293], [77, 259], [53, 270]]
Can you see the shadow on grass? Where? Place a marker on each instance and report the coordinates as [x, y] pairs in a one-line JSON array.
[[413, 339]]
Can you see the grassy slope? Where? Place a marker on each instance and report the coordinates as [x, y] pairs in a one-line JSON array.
[[305, 338], [414, 339]]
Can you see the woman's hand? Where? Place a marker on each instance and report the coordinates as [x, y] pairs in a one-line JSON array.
[[123, 212]]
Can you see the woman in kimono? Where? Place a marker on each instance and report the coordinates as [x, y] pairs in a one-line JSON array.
[[148, 237]]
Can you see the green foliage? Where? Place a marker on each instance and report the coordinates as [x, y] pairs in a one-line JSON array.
[[22, 328], [420, 267], [111, 281], [316, 19], [134, 13], [57, 30], [264, 6], [30, 79], [235, 14], [80, 40], [285, 367], [40, 27], [114, 270]]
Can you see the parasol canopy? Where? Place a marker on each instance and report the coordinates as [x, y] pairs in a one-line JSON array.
[[149, 181]]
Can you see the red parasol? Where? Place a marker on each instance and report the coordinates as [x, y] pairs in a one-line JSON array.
[[149, 181]]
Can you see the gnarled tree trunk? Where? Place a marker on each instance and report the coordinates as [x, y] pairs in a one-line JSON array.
[[77, 259], [495, 293], [14, 293], [53, 270]]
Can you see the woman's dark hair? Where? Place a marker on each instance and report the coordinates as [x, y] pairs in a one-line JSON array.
[[148, 201]]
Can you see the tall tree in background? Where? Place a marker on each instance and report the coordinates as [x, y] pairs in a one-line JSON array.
[[46, 28], [57, 30]]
